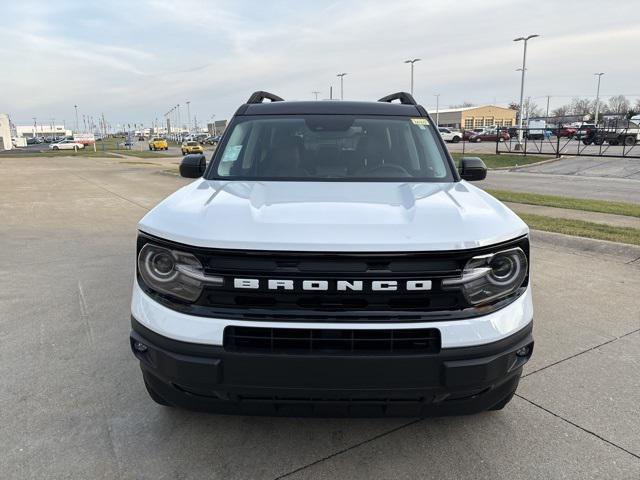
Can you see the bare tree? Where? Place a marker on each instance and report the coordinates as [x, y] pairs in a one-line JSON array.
[[464, 104], [582, 106], [619, 104], [561, 113], [530, 108]]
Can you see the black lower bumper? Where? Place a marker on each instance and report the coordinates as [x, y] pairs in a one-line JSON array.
[[454, 381]]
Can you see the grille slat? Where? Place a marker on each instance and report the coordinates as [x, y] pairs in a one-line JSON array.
[[326, 341]]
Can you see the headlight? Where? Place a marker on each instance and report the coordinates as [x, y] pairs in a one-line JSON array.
[[174, 273], [489, 277]]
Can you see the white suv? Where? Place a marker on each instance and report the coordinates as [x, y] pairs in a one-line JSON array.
[[331, 259], [448, 135]]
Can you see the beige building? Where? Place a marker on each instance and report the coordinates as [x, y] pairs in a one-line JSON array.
[[472, 117]]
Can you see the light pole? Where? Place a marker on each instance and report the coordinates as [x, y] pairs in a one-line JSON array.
[[412, 62], [341, 75], [315, 92], [35, 127], [179, 126], [213, 123], [437, 95], [189, 115], [599, 75], [524, 69], [76, 107]]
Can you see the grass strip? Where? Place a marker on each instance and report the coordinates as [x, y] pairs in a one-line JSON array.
[[601, 206], [580, 228], [492, 160]]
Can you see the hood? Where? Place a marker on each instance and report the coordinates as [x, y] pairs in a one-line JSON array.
[[332, 216]]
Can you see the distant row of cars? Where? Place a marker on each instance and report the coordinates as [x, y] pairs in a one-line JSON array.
[[480, 134], [190, 144]]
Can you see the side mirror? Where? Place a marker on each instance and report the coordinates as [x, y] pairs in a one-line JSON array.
[[472, 169], [193, 165]]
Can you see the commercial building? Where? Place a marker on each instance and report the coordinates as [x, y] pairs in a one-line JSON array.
[[5, 132], [472, 117], [46, 130]]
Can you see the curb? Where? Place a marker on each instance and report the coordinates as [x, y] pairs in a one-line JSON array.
[[629, 254]]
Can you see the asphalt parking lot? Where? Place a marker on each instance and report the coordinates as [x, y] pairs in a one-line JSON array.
[[74, 406]]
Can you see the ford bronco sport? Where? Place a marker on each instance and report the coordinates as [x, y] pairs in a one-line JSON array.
[[330, 259]]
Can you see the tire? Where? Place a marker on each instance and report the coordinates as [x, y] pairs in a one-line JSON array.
[[629, 141], [150, 148], [56, 148], [155, 397], [455, 139], [613, 143], [477, 140], [586, 142], [501, 139]]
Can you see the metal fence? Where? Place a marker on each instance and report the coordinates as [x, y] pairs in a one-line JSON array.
[[613, 140]]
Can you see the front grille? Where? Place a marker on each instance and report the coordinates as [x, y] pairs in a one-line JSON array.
[[333, 304], [328, 341]]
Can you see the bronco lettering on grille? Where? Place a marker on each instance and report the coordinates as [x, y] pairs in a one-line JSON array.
[[337, 285]]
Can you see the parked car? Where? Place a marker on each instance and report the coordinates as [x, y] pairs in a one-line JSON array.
[[66, 145], [212, 140], [141, 138], [295, 275], [158, 143], [191, 147], [564, 131], [32, 141], [584, 130], [488, 135], [448, 135]]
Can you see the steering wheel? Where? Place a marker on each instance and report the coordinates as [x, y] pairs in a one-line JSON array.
[[390, 168]]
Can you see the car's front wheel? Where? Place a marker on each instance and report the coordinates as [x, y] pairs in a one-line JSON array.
[[629, 141], [56, 148], [478, 140], [455, 139]]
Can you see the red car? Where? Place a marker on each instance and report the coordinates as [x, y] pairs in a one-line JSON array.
[[486, 135], [566, 132]]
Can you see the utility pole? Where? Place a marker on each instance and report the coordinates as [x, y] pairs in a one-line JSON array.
[[315, 92], [412, 62], [179, 126], [548, 99], [189, 115], [524, 69], [341, 75], [437, 95], [599, 75], [35, 127], [76, 107]]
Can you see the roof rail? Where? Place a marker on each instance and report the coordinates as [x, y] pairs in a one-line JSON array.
[[404, 97], [258, 97]]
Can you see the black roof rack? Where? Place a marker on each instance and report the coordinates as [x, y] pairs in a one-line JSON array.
[[404, 97], [258, 97]]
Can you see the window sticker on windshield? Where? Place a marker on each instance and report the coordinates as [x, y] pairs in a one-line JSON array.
[[420, 121], [231, 153]]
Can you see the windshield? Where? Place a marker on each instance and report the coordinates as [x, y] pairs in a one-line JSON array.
[[331, 147]]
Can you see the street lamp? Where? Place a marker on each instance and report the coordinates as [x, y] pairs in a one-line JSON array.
[[599, 75], [341, 75], [437, 95], [76, 107], [189, 115], [412, 62], [524, 69]]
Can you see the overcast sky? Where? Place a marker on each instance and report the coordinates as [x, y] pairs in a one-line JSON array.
[[134, 60]]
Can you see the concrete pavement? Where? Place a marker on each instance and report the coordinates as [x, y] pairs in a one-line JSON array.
[[74, 406]]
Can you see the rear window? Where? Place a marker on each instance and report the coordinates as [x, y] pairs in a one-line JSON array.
[[331, 147], [158, 139], [192, 144]]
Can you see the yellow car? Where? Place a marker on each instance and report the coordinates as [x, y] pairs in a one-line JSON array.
[[158, 144], [191, 147]]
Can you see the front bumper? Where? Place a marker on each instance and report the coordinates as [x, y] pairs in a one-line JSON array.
[[454, 381]]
